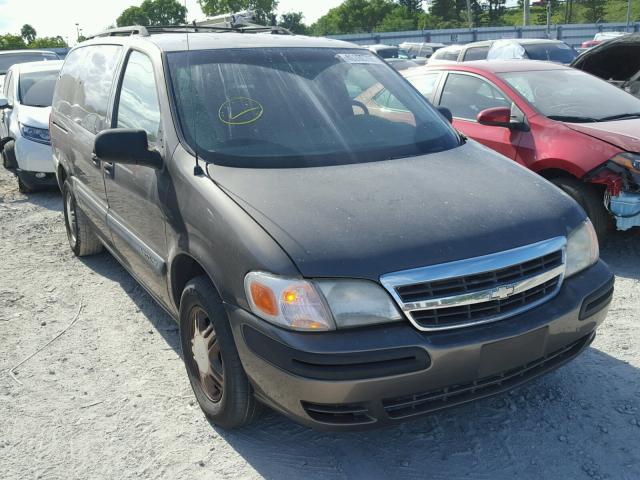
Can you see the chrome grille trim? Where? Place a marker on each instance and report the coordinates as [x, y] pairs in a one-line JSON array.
[[479, 265]]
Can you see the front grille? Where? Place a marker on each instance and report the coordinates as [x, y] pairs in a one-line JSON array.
[[419, 403], [479, 312], [479, 281], [480, 289]]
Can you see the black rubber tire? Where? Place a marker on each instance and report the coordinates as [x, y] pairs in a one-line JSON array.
[[591, 200], [9, 156], [237, 406], [86, 242], [22, 186]]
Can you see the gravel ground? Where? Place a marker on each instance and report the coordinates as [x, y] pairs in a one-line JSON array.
[[110, 398]]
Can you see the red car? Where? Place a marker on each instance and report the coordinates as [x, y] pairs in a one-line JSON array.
[[574, 129]]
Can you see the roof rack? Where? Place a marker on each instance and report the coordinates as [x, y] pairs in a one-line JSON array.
[[230, 23]]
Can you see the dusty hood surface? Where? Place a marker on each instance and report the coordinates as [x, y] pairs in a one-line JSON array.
[[624, 134], [364, 220], [37, 117]]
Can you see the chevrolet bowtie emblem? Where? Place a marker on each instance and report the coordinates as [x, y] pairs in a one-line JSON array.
[[502, 292]]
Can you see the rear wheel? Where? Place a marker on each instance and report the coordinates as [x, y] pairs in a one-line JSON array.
[[211, 358], [590, 199], [82, 239]]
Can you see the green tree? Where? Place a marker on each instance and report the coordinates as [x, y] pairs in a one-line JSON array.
[[28, 33], [11, 42], [444, 9], [154, 12], [413, 6], [594, 10], [48, 42], [262, 8], [132, 16], [293, 22], [354, 16], [399, 19]]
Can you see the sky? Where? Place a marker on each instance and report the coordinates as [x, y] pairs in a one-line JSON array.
[[59, 17]]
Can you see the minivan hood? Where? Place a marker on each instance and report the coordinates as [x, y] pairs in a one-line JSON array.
[[624, 134], [37, 117], [365, 220]]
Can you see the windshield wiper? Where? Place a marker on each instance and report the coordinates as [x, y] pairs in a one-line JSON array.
[[622, 116], [572, 118]]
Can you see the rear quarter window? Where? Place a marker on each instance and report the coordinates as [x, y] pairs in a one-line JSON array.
[[476, 53], [83, 89]]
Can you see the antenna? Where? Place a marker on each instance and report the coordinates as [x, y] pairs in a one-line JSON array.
[[197, 170]]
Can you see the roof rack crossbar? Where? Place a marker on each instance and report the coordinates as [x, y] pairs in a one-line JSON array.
[[122, 32]]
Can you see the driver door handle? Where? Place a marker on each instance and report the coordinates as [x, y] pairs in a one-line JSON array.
[[108, 168]]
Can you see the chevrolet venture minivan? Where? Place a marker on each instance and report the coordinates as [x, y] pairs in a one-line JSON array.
[[346, 266]]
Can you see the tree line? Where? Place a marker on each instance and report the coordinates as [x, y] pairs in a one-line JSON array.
[[28, 38]]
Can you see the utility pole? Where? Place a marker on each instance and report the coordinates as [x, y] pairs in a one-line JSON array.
[[628, 14], [548, 18], [77, 32], [525, 19], [469, 17]]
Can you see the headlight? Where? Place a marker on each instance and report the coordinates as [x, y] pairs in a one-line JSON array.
[[320, 305], [582, 248], [356, 303], [287, 302], [40, 135], [630, 161]]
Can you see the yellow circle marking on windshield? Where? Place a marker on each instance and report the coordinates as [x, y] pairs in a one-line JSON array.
[[240, 111]]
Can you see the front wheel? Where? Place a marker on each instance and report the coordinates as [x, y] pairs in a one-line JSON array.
[[211, 358], [590, 199]]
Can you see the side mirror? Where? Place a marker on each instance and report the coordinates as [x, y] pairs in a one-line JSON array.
[[446, 113], [4, 104], [128, 146], [495, 117]]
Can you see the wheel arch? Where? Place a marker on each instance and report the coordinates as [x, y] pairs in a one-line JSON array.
[[184, 267]]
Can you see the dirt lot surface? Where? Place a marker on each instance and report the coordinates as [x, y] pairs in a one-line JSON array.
[[110, 398]]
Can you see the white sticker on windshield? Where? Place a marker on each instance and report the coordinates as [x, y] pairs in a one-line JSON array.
[[366, 58]]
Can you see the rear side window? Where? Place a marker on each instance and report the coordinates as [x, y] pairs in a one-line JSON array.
[[138, 102], [476, 53], [551, 52], [83, 90]]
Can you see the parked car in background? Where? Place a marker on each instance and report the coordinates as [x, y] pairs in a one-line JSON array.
[[616, 61], [421, 49], [348, 266], [522, 48], [601, 37], [25, 105], [10, 57], [396, 56], [574, 129]]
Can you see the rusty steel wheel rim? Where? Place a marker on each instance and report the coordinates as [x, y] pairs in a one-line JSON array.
[[205, 351]]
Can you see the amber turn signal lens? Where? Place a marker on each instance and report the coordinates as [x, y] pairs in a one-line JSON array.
[[264, 299]]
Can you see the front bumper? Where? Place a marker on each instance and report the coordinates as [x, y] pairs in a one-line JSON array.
[[360, 378], [33, 156]]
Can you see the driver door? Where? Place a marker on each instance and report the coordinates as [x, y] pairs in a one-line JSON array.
[[466, 95], [136, 220]]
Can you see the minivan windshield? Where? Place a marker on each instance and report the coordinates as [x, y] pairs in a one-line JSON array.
[[36, 88], [8, 59], [295, 107], [573, 96]]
